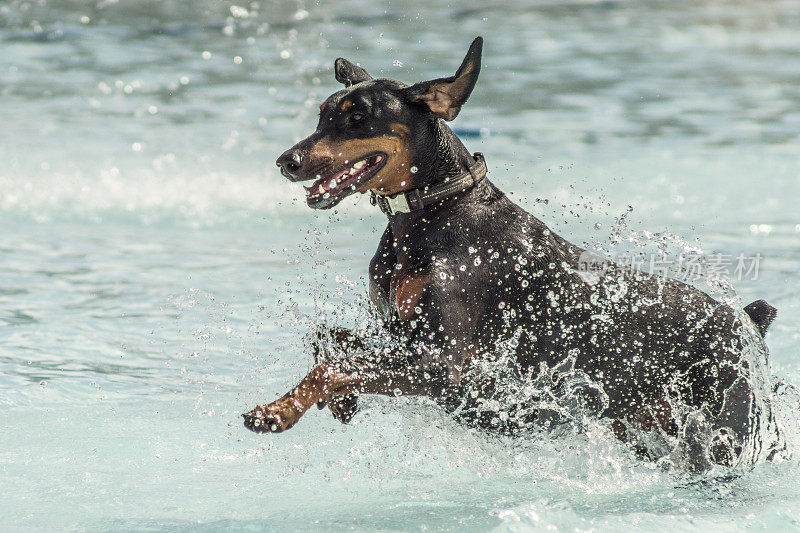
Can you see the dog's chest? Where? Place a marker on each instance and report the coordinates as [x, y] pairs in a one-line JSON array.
[[408, 285], [396, 284]]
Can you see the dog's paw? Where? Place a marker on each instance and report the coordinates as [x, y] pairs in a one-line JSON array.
[[343, 408], [278, 416]]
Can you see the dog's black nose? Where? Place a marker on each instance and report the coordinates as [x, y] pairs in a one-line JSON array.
[[290, 162]]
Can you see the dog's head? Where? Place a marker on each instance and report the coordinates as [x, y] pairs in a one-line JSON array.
[[376, 135]]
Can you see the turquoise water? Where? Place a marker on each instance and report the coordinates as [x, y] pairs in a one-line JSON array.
[[157, 274]]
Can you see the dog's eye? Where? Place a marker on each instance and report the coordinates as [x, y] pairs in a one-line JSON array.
[[356, 117]]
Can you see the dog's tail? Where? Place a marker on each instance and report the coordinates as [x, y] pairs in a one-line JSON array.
[[762, 314]]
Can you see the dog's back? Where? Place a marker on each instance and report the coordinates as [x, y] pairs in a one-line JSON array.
[[658, 347]]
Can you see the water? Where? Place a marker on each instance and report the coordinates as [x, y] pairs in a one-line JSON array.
[[157, 275]]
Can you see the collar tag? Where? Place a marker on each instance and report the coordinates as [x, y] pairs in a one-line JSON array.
[[398, 204]]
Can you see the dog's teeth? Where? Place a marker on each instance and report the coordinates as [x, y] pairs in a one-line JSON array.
[[359, 165], [321, 189], [332, 184]]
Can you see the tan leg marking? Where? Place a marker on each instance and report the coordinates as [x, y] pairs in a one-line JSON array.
[[408, 292]]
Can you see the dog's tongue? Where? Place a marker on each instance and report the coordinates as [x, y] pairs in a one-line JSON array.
[[342, 179], [323, 185]]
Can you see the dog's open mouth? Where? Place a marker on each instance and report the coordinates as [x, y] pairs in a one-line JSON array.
[[329, 190]]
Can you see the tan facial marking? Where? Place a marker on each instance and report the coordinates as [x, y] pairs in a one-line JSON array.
[[401, 130], [347, 104], [394, 177]]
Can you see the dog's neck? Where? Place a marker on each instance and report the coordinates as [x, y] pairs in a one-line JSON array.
[[447, 171], [450, 157]]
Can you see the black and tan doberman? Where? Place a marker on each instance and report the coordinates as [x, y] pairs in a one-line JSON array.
[[460, 269]]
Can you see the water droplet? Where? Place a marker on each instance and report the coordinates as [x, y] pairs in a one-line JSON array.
[[239, 12]]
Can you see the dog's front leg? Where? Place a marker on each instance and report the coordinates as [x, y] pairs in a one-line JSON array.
[[363, 374], [329, 343], [284, 412]]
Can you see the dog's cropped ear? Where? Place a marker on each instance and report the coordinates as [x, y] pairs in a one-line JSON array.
[[445, 96], [348, 73]]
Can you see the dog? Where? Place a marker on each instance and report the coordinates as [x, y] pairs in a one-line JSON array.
[[460, 269]]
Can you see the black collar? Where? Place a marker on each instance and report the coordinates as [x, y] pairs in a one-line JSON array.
[[416, 199]]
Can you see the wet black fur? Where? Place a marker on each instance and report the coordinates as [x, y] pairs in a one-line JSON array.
[[497, 271]]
